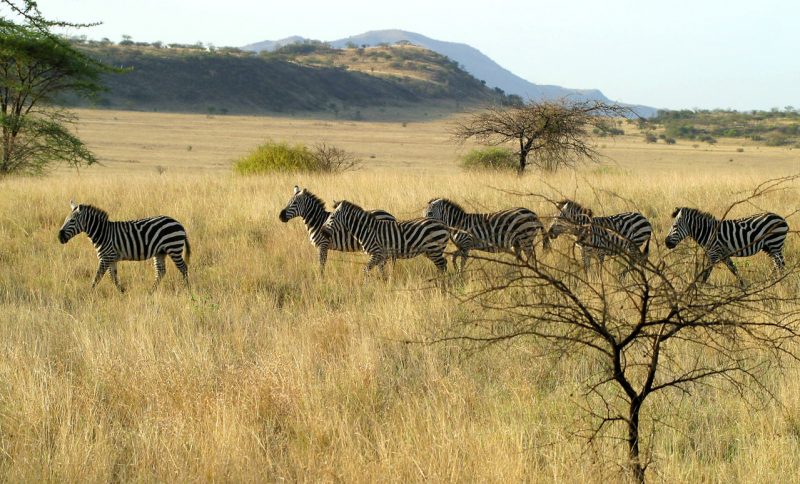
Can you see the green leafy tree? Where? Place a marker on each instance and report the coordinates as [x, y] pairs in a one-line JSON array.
[[36, 67]]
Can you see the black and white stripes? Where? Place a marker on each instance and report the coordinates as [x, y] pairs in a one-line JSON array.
[[385, 239], [618, 234], [512, 230], [156, 237], [311, 209], [723, 239]]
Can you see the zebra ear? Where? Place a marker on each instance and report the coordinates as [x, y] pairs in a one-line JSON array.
[[296, 189], [72, 204], [675, 212]]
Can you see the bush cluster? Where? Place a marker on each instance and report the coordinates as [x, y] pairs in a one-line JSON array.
[[273, 157], [491, 158]]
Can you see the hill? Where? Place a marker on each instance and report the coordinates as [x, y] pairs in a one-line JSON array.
[[472, 60], [305, 77]]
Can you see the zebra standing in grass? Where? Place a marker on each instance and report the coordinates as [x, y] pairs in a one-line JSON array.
[[155, 237], [723, 239], [385, 239], [512, 230], [311, 209], [619, 234]]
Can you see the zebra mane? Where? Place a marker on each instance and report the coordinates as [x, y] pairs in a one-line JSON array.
[[314, 198], [348, 205], [695, 211], [99, 212], [575, 204], [450, 203]]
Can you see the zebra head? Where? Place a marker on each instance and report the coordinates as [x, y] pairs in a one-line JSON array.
[[569, 219], [295, 206], [73, 224], [445, 211], [679, 229]]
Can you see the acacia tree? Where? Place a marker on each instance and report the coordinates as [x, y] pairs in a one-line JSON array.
[[548, 134], [656, 333], [36, 67]]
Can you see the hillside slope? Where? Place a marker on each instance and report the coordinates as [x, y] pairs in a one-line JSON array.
[[309, 78]]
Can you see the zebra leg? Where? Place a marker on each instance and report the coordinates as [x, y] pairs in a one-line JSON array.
[[158, 262], [323, 256], [732, 268], [101, 270], [113, 271], [441, 263], [777, 259], [586, 261], [376, 259], [177, 258]]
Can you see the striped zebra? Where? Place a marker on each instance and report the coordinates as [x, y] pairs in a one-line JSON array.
[[156, 237], [311, 209], [386, 239], [618, 234], [723, 239], [511, 230]]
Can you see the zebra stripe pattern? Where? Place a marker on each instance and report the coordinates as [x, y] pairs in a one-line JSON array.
[[723, 239], [511, 230], [156, 237], [384, 239], [311, 209], [613, 235]]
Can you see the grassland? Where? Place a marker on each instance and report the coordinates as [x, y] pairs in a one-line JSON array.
[[270, 372]]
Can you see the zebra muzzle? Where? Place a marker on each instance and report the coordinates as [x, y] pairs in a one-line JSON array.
[[62, 237]]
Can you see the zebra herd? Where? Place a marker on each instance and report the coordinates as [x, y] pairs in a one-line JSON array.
[[350, 228]]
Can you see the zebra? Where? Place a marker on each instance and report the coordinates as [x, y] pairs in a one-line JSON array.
[[383, 239], [618, 234], [311, 209], [155, 237], [723, 239], [511, 230]]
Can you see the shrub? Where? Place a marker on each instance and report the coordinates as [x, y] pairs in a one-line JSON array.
[[650, 137], [491, 158], [280, 157]]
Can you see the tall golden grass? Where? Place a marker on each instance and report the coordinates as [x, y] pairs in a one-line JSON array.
[[268, 371]]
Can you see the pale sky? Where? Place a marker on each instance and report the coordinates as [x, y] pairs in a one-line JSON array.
[[679, 54]]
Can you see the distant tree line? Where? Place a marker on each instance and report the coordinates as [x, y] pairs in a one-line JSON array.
[[775, 127]]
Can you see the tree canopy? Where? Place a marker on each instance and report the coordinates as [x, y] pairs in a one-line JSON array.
[[36, 68], [548, 134]]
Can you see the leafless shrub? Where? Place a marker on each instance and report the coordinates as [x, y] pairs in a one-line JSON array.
[[657, 334], [334, 159]]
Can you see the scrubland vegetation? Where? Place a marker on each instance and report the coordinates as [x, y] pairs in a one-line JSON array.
[[267, 371]]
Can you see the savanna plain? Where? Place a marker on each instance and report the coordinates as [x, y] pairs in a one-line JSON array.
[[267, 371]]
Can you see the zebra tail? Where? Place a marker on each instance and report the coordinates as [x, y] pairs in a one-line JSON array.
[[187, 248], [646, 251]]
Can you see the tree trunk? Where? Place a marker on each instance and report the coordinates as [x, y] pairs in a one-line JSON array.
[[633, 441]]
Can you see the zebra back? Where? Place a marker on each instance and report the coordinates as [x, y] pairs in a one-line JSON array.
[[740, 237], [311, 209], [493, 231], [394, 239]]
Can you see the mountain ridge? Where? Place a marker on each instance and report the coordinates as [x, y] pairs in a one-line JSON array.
[[473, 61]]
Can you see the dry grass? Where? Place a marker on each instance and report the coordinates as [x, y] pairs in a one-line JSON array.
[[270, 372]]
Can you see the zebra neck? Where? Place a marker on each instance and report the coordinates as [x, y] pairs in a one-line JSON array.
[[98, 231], [314, 221], [703, 233], [363, 230]]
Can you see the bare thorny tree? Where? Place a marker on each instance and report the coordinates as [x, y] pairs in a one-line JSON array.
[[547, 134], [658, 332]]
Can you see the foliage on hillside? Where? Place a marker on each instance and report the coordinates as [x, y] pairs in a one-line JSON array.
[[304, 77], [773, 128]]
